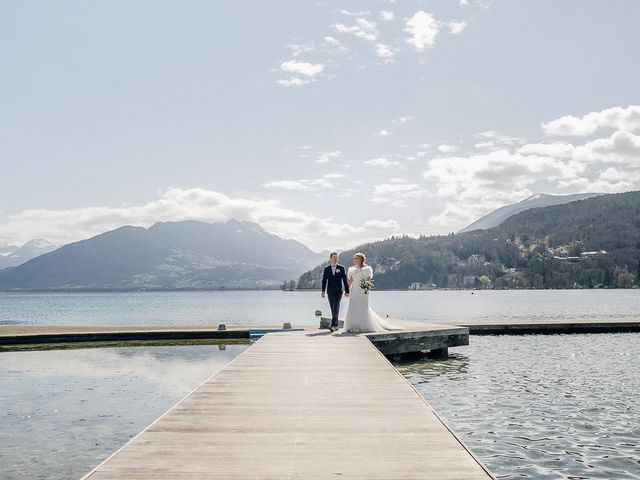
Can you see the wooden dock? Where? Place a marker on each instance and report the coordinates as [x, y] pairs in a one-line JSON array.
[[416, 338], [304, 404], [416, 334], [299, 405]]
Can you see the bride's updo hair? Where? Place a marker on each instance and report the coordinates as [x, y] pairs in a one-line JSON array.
[[361, 256]]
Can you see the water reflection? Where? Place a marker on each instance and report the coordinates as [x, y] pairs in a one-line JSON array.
[[456, 368], [542, 406], [63, 411]]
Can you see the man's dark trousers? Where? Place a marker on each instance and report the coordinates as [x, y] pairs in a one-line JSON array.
[[334, 303]]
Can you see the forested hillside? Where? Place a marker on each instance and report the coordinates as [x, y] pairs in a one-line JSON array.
[[593, 243]]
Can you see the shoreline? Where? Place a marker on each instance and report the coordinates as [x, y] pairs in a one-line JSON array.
[[300, 290]]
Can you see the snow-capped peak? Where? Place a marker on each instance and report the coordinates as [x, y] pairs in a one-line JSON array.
[[39, 243]]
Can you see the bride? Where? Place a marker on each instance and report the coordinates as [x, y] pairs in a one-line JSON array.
[[360, 318]]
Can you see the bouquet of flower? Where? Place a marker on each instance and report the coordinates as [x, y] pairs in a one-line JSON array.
[[366, 285]]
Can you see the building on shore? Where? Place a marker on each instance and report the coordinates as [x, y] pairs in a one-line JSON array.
[[422, 286]]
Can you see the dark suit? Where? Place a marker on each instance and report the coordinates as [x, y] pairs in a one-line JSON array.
[[332, 284]]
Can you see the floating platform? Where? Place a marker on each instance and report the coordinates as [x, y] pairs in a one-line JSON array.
[[27, 334], [415, 338], [549, 327], [301, 405]]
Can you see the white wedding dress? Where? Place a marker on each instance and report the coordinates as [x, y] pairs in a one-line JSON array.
[[360, 317]]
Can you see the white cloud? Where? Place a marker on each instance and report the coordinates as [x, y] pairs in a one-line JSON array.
[[381, 225], [499, 138], [456, 28], [401, 120], [397, 191], [293, 82], [472, 186], [557, 150], [332, 46], [328, 156], [618, 117], [64, 226], [385, 188], [354, 13], [382, 133], [620, 147], [326, 181], [382, 162], [302, 68], [444, 148], [302, 72], [386, 15], [482, 145], [300, 48], [384, 52], [493, 140], [423, 29], [363, 28], [288, 185]]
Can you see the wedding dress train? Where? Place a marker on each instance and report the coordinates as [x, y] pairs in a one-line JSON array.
[[360, 317]]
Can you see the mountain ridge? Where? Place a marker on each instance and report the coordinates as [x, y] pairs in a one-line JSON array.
[[185, 254], [496, 217], [12, 255]]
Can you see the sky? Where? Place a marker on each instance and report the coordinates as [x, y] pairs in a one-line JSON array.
[[333, 122]]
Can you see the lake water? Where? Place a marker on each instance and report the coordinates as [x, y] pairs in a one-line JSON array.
[[275, 307], [64, 411], [542, 406], [536, 406]]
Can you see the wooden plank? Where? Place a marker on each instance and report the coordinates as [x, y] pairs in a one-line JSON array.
[[299, 406]]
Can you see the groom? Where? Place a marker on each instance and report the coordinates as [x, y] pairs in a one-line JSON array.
[[333, 278]]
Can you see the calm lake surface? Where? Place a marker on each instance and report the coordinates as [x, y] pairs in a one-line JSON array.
[[275, 307], [537, 406], [64, 411]]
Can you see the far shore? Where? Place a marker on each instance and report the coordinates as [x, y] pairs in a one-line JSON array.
[[275, 289]]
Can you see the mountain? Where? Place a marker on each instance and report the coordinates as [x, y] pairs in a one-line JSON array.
[[11, 255], [6, 247], [583, 244], [498, 216], [167, 255]]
